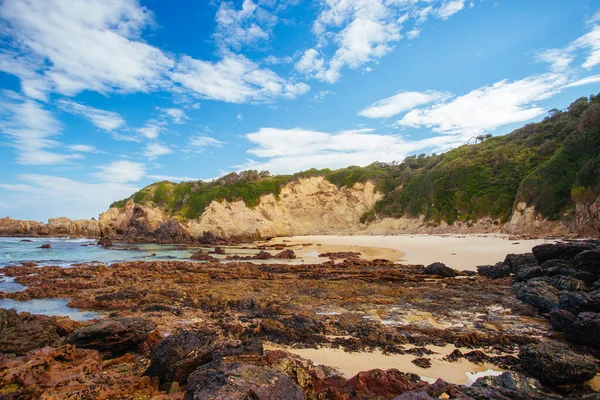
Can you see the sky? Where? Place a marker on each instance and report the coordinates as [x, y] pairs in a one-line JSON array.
[[100, 98]]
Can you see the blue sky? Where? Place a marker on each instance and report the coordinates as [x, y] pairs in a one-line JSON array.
[[101, 98]]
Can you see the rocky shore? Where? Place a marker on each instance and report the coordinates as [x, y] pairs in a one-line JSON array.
[[210, 329]]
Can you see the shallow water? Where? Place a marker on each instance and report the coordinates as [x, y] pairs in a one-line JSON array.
[[50, 307], [65, 252], [8, 285]]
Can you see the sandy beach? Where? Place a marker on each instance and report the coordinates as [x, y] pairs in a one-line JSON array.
[[462, 252]]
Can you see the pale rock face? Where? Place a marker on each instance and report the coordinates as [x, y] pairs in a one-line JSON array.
[[527, 221], [310, 206], [61, 226], [587, 218]]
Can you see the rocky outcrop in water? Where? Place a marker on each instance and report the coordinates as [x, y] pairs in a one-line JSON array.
[[55, 227]]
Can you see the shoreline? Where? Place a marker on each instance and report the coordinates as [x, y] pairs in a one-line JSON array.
[[458, 251]]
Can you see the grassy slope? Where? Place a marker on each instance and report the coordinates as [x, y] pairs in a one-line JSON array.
[[549, 164]]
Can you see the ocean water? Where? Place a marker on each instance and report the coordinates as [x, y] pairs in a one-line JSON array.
[[50, 307], [66, 251]]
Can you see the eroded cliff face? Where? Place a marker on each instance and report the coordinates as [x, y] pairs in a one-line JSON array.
[[314, 206]]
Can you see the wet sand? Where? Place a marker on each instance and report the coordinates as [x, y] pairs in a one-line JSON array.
[[349, 364], [462, 252]]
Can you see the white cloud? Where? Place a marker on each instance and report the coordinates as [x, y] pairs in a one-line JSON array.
[[234, 79], [42, 196], [205, 141], [322, 94], [403, 101], [152, 129], [488, 107], [292, 150], [177, 115], [273, 60], [32, 131], [81, 45], [364, 31], [240, 117], [83, 148], [121, 172], [584, 81], [248, 25], [153, 150], [172, 178], [591, 42], [449, 8], [105, 120], [559, 59]]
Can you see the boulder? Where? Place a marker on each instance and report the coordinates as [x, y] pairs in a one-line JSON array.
[[583, 328], [509, 385], [500, 270], [112, 335], [21, 333], [440, 269], [46, 246], [540, 294], [561, 250], [517, 261], [177, 356], [588, 261], [236, 381], [555, 364], [437, 390], [286, 255], [105, 242], [574, 302], [567, 283], [586, 329], [526, 273], [562, 320]]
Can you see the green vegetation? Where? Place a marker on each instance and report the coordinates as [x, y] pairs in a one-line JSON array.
[[551, 165]]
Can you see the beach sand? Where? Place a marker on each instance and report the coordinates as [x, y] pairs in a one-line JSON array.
[[462, 252]]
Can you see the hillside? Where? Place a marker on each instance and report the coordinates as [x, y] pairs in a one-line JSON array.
[[550, 169]]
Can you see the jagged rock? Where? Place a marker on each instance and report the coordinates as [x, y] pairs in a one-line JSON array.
[[21, 333], [597, 284], [70, 373], [555, 364], [440, 269], [437, 390], [567, 283], [286, 255], [233, 381], [454, 356], [46, 246], [172, 231], [583, 328], [500, 270], [113, 335], [589, 262], [557, 267], [105, 242], [586, 329], [562, 320], [540, 294], [561, 250], [527, 273], [177, 356], [517, 261], [219, 250], [422, 362], [574, 302], [508, 386], [584, 276]]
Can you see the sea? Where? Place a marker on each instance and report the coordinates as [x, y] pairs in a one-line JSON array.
[[65, 252]]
